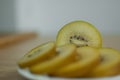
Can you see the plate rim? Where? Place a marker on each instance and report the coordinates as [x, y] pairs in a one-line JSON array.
[[26, 74]]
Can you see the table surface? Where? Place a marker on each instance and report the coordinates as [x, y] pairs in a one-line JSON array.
[[11, 54]]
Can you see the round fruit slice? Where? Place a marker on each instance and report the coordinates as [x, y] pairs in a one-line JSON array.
[[80, 33], [88, 58], [65, 55], [109, 65], [38, 54]]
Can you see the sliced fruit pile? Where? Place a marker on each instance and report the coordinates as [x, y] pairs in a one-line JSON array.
[[76, 53]]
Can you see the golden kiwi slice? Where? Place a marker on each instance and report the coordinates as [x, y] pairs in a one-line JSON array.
[[109, 65], [65, 55], [38, 54], [80, 33], [88, 58]]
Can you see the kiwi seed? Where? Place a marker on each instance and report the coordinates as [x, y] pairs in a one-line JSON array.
[[35, 52], [71, 37], [79, 38]]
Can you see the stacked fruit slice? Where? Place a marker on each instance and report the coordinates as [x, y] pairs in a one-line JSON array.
[[77, 52], [109, 65], [37, 55], [87, 59], [64, 55], [80, 33]]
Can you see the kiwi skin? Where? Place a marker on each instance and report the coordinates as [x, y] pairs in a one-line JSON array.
[[58, 38]]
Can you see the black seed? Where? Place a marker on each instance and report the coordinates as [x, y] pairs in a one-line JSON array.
[[75, 36], [71, 37], [78, 38], [78, 46], [82, 39]]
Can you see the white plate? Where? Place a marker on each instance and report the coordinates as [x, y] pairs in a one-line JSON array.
[[26, 73]]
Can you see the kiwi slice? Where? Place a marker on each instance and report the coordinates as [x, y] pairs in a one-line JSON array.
[[80, 33], [65, 55], [38, 54], [87, 59], [109, 65]]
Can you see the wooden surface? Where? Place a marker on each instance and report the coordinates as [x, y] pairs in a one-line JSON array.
[[9, 55], [14, 38]]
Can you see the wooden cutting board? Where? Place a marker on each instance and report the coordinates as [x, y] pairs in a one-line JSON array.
[[15, 38]]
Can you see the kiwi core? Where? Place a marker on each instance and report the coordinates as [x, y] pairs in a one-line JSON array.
[[78, 40]]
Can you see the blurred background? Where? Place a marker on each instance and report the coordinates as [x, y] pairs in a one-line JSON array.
[[46, 17], [20, 20]]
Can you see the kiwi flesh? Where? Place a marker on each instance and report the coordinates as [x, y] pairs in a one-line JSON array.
[[64, 55], [80, 33], [109, 65], [38, 54], [88, 58]]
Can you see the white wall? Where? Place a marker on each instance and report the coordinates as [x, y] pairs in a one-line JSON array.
[[48, 16], [7, 16]]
